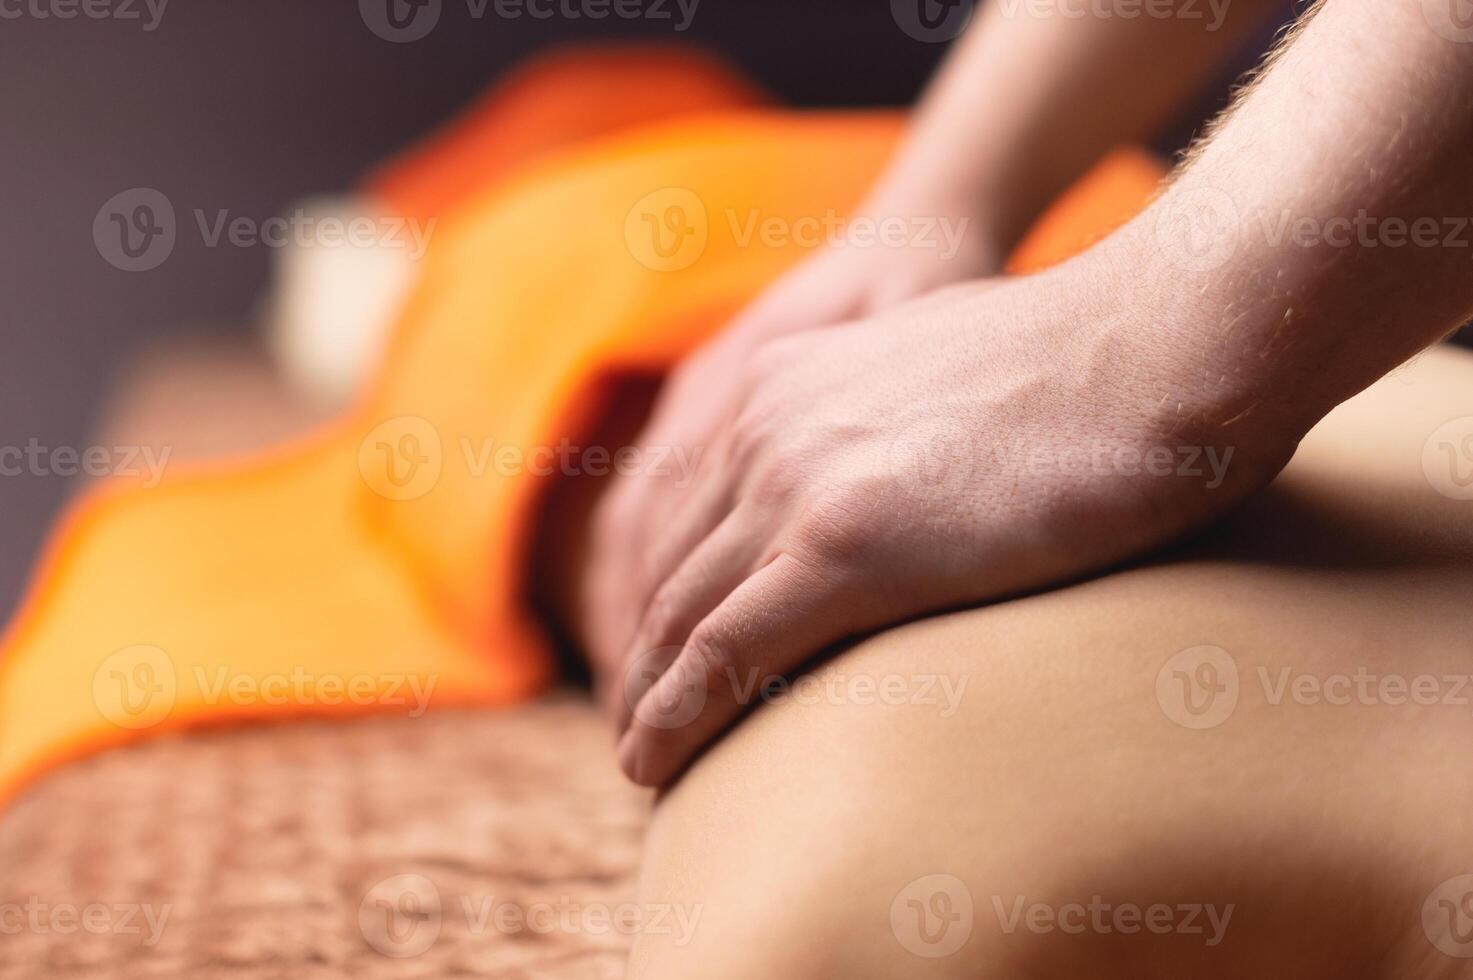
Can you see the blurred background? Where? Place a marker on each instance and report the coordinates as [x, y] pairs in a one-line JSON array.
[[244, 108]]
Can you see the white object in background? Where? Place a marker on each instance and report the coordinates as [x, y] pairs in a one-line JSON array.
[[342, 275]]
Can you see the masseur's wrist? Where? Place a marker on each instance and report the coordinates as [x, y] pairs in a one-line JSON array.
[[1193, 346]]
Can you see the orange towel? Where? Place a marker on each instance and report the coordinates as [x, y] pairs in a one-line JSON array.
[[379, 564]]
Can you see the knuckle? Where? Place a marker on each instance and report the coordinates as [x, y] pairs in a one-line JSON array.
[[771, 357], [833, 527], [711, 657], [771, 487], [751, 432]]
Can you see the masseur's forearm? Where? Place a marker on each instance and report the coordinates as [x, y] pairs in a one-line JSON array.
[[1322, 236], [1037, 90]]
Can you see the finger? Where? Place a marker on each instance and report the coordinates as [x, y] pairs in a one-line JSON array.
[[610, 604], [708, 575], [629, 521], [771, 623], [683, 522], [628, 571]]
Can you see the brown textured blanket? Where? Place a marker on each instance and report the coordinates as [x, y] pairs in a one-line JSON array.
[[487, 844]]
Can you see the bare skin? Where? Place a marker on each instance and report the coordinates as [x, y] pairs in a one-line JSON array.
[[1318, 815], [1319, 826], [1055, 101], [1202, 323]]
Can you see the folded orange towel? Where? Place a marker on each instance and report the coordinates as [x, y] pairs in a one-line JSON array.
[[380, 563]]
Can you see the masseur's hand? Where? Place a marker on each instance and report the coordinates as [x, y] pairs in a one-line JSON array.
[[838, 284], [1022, 107], [971, 445]]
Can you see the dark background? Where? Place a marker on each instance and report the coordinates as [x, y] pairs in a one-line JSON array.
[[249, 105]]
